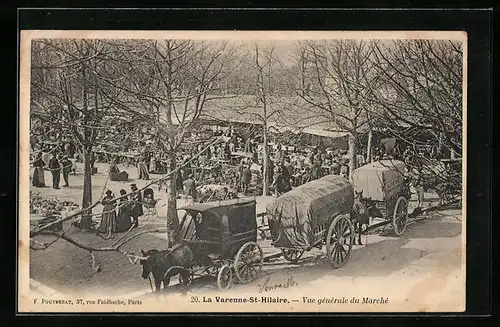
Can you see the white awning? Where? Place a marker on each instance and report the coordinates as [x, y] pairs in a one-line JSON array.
[[324, 133]]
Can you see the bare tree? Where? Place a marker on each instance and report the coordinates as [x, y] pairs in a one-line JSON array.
[[168, 87], [342, 75], [263, 107], [421, 91], [67, 93], [422, 87], [263, 68], [45, 229], [300, 58]]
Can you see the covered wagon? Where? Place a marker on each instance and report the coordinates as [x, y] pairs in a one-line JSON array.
[[383, 188], [312, 215]]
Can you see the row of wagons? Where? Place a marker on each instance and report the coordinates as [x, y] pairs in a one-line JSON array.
[[223, 234]]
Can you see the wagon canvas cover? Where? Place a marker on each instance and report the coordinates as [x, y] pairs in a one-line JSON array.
[[379, 180], [295, 217]]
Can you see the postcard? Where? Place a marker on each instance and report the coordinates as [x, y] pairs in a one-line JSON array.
[[242, 171]]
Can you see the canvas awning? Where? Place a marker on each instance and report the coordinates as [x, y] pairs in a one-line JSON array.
[[324, 133]]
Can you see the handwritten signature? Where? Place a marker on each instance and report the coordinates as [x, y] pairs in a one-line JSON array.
[[266, 287]]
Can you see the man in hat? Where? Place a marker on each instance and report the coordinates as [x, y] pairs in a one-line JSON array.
[[66, 169], [246, 177], [239, 170], [279, 181], [55, 169], [137, 210]]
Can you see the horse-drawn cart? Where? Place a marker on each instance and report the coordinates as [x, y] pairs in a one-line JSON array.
[[222, 236], [381, 187], [312, 215]]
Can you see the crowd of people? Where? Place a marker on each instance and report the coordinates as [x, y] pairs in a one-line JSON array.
[[122, 213], [57, 164], [232, 163]]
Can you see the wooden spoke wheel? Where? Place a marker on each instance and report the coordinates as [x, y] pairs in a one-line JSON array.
[[292, 255], [400, 216], [224, 277], [339, 241], [248, 262]]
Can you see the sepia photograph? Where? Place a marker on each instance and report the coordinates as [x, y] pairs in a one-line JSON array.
[[242, 171]]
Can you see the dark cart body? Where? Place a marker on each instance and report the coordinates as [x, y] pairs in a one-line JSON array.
[[222, 236], [223, 228]]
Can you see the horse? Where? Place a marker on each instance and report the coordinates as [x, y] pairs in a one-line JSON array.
[[362, 210], [359, 216], [164, 264]]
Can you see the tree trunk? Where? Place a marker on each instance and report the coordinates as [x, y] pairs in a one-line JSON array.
[[302, 76], [265, 162], [369, 146], [87, 190], [172, 218], [352, 152]]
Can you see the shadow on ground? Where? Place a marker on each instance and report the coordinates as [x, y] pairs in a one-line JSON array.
[[66, 268], [442, 229], [72, 269], [375, 259]]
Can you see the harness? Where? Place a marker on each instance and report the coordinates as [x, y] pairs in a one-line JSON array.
[[360, 213], [167, 252]]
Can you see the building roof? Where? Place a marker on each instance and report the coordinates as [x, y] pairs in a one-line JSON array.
[[291, 114], [287, 114]]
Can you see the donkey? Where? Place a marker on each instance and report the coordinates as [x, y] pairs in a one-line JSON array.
[[165, 264]]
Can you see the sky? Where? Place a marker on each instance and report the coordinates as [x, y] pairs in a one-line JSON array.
[[283, 49]]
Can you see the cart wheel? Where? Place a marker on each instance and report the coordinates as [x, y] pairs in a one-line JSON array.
[[224, 277], [339, 241], [400, 216], [248, 262], [292, 255]]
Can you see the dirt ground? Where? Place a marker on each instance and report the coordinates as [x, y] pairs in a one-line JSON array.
[[424, 264]]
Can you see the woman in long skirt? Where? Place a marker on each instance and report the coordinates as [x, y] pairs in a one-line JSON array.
[[108, 220], [38, 174], [123, 221]]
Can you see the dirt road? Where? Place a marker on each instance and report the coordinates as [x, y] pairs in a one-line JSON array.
[[425, 263]]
